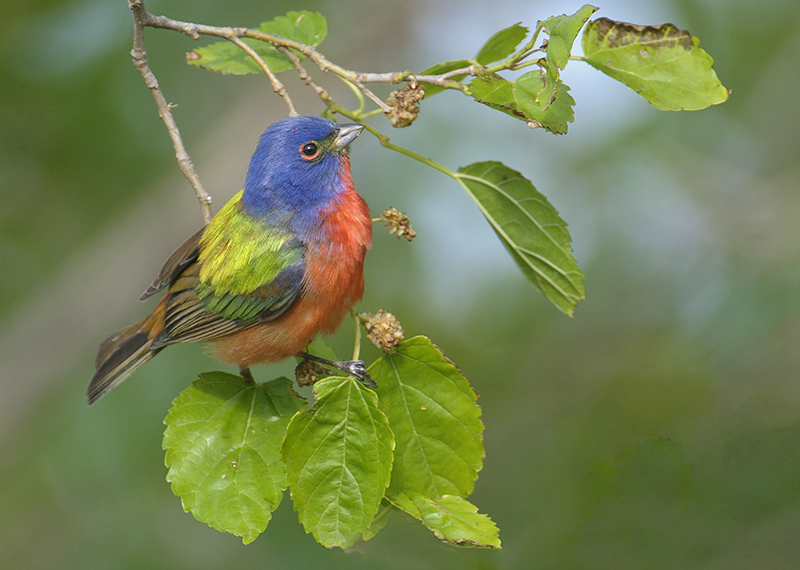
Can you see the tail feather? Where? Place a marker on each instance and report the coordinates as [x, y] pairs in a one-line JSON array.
[[122, 353], [113, 341]]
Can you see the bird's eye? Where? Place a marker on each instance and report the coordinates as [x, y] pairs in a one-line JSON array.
[[309, 151]]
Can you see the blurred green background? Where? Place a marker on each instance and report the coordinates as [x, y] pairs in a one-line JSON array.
[[659, 428]]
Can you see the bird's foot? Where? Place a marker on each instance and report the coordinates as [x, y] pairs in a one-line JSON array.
[[355, 368], [358, 370]]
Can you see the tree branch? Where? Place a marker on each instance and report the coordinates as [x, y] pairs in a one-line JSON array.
[[139, 55], [277, 86], [358, 78], [303, 74], [290, 49]]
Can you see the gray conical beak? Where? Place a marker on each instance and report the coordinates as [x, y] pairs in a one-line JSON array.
[[345, 134]]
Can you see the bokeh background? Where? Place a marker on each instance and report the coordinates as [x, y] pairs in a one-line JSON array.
[[659, 428]]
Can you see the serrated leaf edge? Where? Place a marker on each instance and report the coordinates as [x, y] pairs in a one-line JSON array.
[[460, 176]]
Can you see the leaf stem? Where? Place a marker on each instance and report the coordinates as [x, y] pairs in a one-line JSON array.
[[371, 114], [359, 95], [419, 158], [382, 513], [384, 141], [530, 44]]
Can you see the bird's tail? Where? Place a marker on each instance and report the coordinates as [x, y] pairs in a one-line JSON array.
[[122, 353]]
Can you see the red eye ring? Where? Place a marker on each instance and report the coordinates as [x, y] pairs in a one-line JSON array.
[[309, 150]]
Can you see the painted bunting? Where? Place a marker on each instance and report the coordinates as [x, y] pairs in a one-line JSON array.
[[280, 263]]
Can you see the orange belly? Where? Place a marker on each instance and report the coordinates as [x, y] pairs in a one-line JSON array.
[[282, 338]]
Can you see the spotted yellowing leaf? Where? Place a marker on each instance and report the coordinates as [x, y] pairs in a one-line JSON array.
[[663, 64]]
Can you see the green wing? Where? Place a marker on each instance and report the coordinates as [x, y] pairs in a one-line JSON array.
[[247, 267], [240, 272]]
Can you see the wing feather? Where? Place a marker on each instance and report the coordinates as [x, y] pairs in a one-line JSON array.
[[182, 257], [232, 275]]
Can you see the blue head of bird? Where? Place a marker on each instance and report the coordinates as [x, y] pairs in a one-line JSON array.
[[297, 169]]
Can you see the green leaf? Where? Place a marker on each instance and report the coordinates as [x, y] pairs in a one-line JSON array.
[[444, 67], [535, 90], [222, 445], [559, 114], [661, 63], [435, 418], [502, 44], [538, 97], [451, 519], [305, 27], [338, 457], [498, 47], [530, 229], [497, 92], [224, 57], [562, 31], [546, 100]]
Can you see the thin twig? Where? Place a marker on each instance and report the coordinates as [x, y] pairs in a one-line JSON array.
[[277, 86], [139, 56], [321, 92], [303, 74], [194, 31], [375, 99], [357, 342]]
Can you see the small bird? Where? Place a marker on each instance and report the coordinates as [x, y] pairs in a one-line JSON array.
[[282, 261]]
